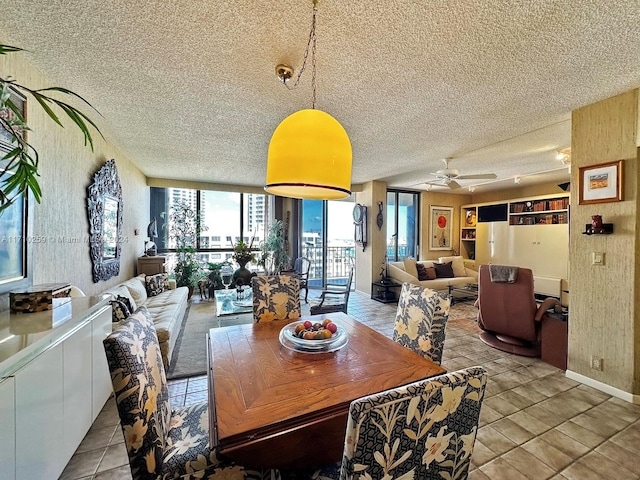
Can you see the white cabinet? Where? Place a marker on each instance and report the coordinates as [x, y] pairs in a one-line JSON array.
[[101, 378], [52, 390], [39, 409], [7, 428], [77, 388], [542, 248], [492, 243]]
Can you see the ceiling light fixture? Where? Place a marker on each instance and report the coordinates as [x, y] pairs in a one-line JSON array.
[[472, 188], [564, 156], [517, 180], [309, 153]]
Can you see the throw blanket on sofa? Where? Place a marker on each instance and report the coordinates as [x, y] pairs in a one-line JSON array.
[[503, 273]]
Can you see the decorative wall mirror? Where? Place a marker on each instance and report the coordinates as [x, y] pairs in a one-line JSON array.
[[104, 208]]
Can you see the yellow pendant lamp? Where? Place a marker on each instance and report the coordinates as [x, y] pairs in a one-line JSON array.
[[309, 157], [309, 153]]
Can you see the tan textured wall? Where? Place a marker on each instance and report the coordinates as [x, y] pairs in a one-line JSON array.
[[428, 199], [603, 319], [66, 170]]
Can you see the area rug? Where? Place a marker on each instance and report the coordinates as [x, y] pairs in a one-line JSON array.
[[190, 352]]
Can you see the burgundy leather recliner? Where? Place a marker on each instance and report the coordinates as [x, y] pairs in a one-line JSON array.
[[509, 314]]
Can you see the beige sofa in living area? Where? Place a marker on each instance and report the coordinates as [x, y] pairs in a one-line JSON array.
[[462, 275], [167, 310]]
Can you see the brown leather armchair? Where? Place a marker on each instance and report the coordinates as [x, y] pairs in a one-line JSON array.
[[509, 314]]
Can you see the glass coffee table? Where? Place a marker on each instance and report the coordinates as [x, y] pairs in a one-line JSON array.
[[463, 293], [228, 302]]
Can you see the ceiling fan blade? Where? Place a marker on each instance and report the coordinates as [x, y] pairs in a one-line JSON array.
[[436, 184], [479, 176], [453, 185]]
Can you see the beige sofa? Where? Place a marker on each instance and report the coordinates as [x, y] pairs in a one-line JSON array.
[[462, 275], [167, 310]]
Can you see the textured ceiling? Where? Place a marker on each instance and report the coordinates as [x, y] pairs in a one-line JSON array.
[[187, 88]]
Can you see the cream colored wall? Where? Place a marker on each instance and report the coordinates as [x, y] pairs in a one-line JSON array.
[[604, 320], [66, 170], [428, 199], [369, 262]]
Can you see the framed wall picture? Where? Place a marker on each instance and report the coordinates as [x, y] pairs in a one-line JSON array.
[[441, 231], [601, 183], [9, 115], [15, 220]]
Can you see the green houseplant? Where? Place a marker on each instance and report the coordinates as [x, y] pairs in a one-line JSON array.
[[184, 228], [19, 166], [273, 250]]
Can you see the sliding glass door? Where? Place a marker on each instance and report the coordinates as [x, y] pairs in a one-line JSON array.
[[326, 239], [402, 224]]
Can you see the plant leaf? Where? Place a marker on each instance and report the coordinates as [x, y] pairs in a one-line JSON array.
[[4, 49]]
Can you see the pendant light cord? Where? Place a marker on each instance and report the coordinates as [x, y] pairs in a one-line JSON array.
[[311, 46]]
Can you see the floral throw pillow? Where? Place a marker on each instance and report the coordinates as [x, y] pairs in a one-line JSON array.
[[156, 284], [119, 310]]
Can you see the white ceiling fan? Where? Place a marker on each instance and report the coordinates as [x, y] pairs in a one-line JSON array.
[[447, 177]]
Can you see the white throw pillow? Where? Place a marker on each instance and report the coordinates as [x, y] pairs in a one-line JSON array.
[[410, 266], [137, 289], [456, 263]]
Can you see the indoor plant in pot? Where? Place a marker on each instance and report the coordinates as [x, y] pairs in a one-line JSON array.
[[243, 254], [273, 250], [184, 229]]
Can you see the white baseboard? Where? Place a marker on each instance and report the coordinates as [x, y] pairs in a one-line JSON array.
[[603, 387]]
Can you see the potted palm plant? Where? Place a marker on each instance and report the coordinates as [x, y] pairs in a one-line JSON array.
[[19, 166], [184, 228]]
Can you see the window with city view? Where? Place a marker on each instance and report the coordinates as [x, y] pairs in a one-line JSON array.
[[326, 235], [226, 217]]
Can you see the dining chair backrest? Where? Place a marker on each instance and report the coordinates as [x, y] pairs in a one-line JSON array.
[[140, 387], [425, 430], [421, 319], [334, 298], [161, 442], [301, 266], [275, 297]]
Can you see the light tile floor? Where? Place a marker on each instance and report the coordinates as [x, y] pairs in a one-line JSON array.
[[535, 423]]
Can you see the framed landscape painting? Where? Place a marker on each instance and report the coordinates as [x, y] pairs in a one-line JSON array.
[[601, 183], [441, 232]]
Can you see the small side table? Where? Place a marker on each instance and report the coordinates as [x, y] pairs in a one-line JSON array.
[[384, 292], [554, 340], [150, 265]]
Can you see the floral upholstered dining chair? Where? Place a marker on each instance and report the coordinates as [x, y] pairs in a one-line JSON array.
[[425, 430], [276, 297], [161, 442], [421, 319]]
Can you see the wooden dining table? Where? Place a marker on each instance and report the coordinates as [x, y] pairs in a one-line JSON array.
[[274, 407]]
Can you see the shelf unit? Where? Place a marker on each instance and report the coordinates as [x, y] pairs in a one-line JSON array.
[[544, 211], [540, 210], [468, 223]]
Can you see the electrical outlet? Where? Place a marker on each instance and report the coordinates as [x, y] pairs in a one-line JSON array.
[[596, 363]]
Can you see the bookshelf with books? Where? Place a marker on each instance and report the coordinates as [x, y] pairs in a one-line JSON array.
[[540, 211]]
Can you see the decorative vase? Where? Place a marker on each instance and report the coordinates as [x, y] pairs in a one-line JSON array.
[[243, 274], [596, 223]]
